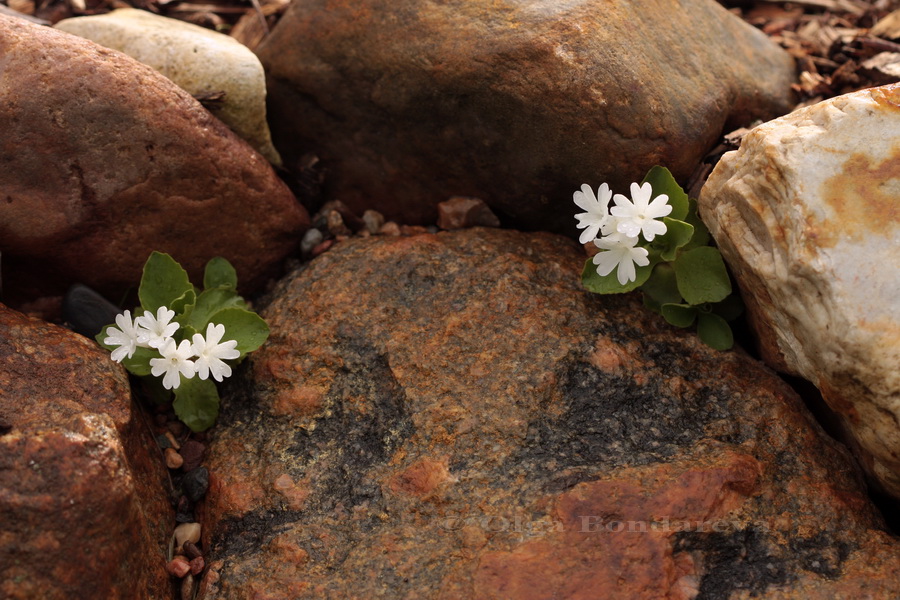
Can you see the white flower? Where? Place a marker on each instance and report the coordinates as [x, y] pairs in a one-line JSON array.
[[210, 353], [596, 206], [619, 252], [175, 360], [156, 331], [639, 215], [125, 337]]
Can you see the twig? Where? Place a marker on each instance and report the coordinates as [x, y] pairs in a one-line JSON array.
[[261, 15]]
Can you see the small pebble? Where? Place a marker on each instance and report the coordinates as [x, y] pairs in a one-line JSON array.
[[86, 311], [172, 441], [187, 532], [389, 228], [192, 452], [178, 567], [460, 212], [412, 230], [348, 217], [373, 220], [312, 238], [195, 483], [163, 441], [336, 224], [191, 550], [197, 565], [176, 427], [173, 459], [187, 588], [323, 247]]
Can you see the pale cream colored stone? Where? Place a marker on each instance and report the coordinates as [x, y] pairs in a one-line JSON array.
[[198, 60], [807, 214], [187, 532]]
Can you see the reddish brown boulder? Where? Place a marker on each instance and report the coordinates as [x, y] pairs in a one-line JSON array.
[[451, 416], [105, 160], [83, 509], [408, 102]]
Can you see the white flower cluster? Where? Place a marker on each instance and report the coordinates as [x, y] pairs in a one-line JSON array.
[[615, 231], [201, 356]]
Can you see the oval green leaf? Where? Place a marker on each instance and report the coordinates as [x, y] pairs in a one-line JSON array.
[[197, 403], [219, 273], [163, 282], [210, 302], [661, 285], [247, 328], [678, 233], [664, 183], [714, 331], [609, 284], [679, 315], [701, 276]]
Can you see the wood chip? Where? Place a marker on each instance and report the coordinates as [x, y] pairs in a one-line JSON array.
[[883, 67], [888, 27]]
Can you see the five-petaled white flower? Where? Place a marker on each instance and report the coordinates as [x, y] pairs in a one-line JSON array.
[[639, 214], [156, 330], [210, 353], [175, 360], [619, 252], [596, 206], [125, 337]]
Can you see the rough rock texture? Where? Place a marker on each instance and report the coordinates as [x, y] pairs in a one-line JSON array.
[[410, 102], [199, 60], [450, 416], [806, 213], [83, 509], [103, 160]]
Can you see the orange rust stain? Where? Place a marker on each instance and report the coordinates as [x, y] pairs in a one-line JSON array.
[[421, 478], [298, 401], [295, 493], [887, 95], [862, 199]]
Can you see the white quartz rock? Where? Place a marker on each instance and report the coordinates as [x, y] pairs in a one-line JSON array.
[[807, 214], [198, 60]]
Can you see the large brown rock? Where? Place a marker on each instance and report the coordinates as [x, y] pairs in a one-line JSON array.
[[83, 509], [450, 416], [806, 213], [409, 102], [103, 160]]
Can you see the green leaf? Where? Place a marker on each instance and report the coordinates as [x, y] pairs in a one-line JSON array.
[[679, 315], [701, 275], [197, 403], [730, 308], [609, 284], [163, 282], [701, 233], [219, 273], [661, 285], [663, 183], [248, 328], [714, 331], [210, 302], [184, 304], [678, 233]]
